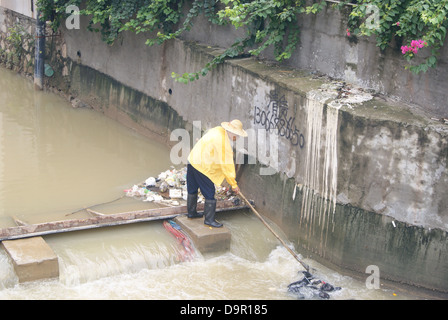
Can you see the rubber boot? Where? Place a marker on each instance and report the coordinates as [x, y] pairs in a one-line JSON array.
[[192, 203], [209, 213]]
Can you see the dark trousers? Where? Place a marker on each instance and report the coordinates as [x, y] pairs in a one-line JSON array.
[[197, 180]]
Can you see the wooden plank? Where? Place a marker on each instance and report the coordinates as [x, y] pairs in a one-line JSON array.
[[104, 220]]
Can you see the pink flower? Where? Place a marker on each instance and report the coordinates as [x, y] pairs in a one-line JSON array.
[[398, 23], [348, 33], [415, 45], [422, 43]]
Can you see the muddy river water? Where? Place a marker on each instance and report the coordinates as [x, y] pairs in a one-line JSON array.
[[55, 159]]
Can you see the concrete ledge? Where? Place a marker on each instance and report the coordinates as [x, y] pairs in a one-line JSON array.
[[206, 239], [33, 259]]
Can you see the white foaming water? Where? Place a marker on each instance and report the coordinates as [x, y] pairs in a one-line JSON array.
[[106, 252], [141, 262]]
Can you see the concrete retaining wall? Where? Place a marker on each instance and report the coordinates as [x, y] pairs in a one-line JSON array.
[[325, 48], [355, 184]]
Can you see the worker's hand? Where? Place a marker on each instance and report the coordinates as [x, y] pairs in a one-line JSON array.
[[236, 190]]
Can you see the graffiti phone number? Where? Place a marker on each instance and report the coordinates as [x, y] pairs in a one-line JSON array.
[[280, 124]]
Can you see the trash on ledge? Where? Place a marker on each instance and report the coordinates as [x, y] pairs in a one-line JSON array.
[[170, 188]]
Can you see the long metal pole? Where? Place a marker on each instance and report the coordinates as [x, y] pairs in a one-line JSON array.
[[39, 56]]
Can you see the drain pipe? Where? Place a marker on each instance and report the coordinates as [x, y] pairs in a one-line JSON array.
[[39, 55]]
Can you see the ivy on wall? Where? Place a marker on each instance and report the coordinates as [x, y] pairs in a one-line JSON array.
[[267, 23], [17, 48]]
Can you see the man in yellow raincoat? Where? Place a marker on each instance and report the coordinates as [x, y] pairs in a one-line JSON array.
[[210, 162]]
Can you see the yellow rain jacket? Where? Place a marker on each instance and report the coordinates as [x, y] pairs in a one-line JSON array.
[[213, 156]]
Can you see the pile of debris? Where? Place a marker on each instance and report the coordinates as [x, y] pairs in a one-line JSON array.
[[170, 188], [311, 288], [441, 120]]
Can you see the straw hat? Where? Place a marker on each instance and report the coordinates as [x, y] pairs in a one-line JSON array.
[[235, 127]]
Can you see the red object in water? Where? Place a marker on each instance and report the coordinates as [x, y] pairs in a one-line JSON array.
[[182, 239]]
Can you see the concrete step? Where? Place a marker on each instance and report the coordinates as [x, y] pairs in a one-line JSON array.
[[205, 238], [33, 259]]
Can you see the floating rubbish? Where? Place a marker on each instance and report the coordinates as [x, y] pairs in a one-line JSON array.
[[442, 120], [152, 196], [163, 187], [136, 191], [175, 193], [311, 288], [150, 182]]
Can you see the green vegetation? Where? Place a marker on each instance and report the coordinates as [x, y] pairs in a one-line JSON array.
[[405, 21], [18, 48], [267, 23]]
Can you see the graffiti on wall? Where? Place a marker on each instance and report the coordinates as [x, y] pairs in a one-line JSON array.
[[274, 118]]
